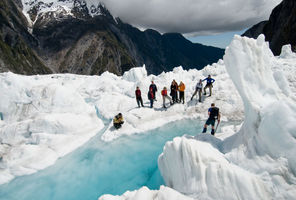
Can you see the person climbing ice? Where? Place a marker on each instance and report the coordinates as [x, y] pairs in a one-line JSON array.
[[214, 115], [118, 121], [209, 84]]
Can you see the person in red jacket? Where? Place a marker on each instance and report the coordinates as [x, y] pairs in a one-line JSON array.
[[164, 94], [151, 97], [139, 97]]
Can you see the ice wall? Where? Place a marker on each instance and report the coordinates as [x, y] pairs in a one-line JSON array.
[[259, 161], [164, 193], [44, 119], [269, 126]]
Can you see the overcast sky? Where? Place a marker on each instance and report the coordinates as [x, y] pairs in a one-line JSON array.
[[196, 17]]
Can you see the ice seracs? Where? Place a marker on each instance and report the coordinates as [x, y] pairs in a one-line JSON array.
[[43, 113], [258, 161], [164, 193], [44, 119]]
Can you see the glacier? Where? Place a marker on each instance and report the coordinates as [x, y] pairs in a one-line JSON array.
[[98, 167], [256, 162], [54, 115]]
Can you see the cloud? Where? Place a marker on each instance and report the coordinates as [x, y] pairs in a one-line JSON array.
[[197, 17]]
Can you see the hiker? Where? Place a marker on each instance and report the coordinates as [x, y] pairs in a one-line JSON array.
[[151, 97], [174, 88], [209, 84], [214, 114], [154, 89], [181, 89], [164, 94], [118, 121], [139, 97], [198, 88]]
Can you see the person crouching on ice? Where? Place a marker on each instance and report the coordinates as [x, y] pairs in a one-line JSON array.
[[118, 121], [164, 94], [214, 114]]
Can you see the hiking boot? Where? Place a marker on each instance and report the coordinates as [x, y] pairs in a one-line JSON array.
[[204, 130], [213, 132]]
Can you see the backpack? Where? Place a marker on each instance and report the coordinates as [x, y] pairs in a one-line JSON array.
[[214, 113]]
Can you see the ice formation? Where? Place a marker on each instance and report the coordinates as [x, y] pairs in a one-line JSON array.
[[44, 119], [54, 114], [257, 162], [164, 193]]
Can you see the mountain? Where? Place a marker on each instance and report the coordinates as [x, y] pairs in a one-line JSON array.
[[78, 36], [280, 29], [16, 42]]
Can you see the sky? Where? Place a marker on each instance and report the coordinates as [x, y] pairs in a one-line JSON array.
[[221, 40], [212, 19]]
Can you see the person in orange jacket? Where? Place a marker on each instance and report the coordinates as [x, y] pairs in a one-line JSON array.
[[181, 89]]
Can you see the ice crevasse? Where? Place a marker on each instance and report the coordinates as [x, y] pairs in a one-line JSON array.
[[258, 162]]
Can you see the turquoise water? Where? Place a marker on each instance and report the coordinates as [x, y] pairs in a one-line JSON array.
[[97, 168]]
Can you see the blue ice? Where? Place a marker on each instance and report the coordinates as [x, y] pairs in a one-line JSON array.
[[97, 168]]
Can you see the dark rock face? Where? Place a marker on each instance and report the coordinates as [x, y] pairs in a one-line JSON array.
[[163, 52], [280, 29], [81, 44], [16, 42]]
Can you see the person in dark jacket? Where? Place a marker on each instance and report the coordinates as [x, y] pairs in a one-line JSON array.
[[214, 114], [153, 88], [151, 97], [209, 84], [174, 89], [139, 97]]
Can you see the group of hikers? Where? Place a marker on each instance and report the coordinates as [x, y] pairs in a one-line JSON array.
[[177, 92], [213, 111]]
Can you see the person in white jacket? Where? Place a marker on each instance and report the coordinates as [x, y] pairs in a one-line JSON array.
[[198, 88]]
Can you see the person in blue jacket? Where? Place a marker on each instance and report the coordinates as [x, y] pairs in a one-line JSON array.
[[209, 84]]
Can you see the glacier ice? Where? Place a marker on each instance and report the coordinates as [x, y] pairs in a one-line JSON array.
[[127, 163], [54, 114], [257, 162]]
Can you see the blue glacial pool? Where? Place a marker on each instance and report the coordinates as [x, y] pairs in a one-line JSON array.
[[98, 168]]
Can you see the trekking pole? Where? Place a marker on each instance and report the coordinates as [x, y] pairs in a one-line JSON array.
[[216, 127]]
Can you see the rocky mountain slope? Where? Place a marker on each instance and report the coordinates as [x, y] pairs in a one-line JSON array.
[[16, 42], [77, 36], [280, 29]]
